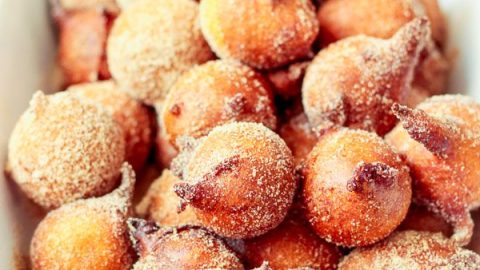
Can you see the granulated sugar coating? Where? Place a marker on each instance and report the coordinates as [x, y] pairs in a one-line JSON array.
[[162, 205], [131, 115], [354, 82], [216, 93], [271, 33], [87, 234], [412, 250], [441, 144], [62, 149], [340, 19], [292, 245], [180, 248], [356, 188], [151, 43], [239, 180]]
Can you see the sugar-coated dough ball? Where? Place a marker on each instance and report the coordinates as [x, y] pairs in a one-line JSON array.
[[62, 150], [239, 180], [263, 34], [377, 18], [131, 115], [440, 142], [151, 43], [292, 245], [81, 46], [87, 234], [216, 93], [180, 248], [356, 189], [354, 81], [412, 250]]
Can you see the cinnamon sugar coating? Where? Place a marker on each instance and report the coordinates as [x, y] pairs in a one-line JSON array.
[[292, 245], [440, 142], [62, 150], [271, 33], [354, 82], [180, 248], [412, 250], [131, 115], [239, 180], [356, 188], [216, 93], [87, 234], [153, 42]]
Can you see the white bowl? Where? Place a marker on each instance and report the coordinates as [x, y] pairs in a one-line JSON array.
[[27, 55]]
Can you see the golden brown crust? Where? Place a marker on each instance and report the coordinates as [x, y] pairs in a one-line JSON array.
[[353, 82], [453, 121], [412, 250], [82, 41], [87, 234], [162, 205], [131, 115], [354, 181], [216, 93], [246, 155], [377, 18], [160, 249], [151, 43], [271, 33], [292, 245], [62, 149]]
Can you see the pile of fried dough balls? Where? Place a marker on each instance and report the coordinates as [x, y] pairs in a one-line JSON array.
[[288, 134]]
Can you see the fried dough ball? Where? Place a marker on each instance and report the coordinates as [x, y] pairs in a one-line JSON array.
[[87, 234], [239, 180], [82, 40], [419, 218], [62, 150], [151, 43], [287, 82], [180, 248], [271, 33], [354, 81], [356, 188], [161, 204], [213, 94], [292, 245], [130, 114], [377, 18], [411, 250], [299, 137], [440, 142]]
